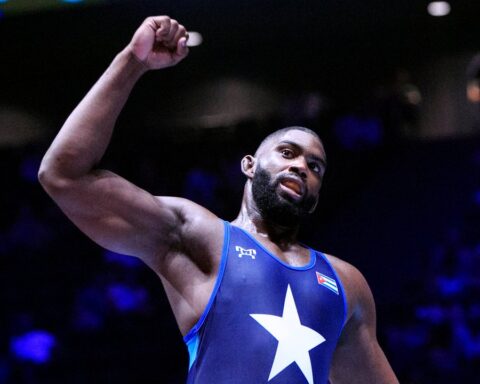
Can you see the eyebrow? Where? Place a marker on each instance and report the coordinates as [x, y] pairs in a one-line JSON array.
[[300, 148]]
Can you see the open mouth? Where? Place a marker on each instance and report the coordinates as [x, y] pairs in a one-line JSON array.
[[293, 186]]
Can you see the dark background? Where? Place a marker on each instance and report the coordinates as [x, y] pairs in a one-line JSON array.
[[400, 199]]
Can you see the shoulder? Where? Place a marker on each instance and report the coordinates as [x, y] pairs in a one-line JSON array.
[[358, 337], [357, 291], [198, 231], [186, 211]]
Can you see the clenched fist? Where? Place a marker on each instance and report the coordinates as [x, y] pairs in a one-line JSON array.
[[159, 42]]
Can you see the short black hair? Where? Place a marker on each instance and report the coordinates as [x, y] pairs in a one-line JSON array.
[[282, 131]]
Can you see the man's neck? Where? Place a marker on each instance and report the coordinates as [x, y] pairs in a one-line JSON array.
[[251, 220]]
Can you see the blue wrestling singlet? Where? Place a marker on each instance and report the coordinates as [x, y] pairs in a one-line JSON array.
[[266, 321]]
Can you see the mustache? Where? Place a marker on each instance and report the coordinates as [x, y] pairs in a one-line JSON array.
[[291, 176], [283, 210]]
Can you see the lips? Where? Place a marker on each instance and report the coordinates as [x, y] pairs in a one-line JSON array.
[[293, 185]]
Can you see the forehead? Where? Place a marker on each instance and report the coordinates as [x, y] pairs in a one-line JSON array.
[[302, 139]]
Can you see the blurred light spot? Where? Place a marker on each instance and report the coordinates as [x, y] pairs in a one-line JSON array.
[[450, 286], [194, 39], [127, 299], [473, 91], [72, 1], [434, 314], [34, 346], [413, 96], [439, 8]]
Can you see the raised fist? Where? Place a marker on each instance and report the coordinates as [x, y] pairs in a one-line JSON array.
[[159, 42]]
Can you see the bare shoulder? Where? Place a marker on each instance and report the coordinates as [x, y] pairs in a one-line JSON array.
[[189, 269], [357, 291], [358, 357], [186, 209], [192, 217], [358, 338], [199, 233], [349, 275]]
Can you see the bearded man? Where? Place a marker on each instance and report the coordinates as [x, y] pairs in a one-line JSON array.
[[254, 304]]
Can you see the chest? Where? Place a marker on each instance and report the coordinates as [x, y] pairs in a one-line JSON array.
[[259, 280], [268, 319]]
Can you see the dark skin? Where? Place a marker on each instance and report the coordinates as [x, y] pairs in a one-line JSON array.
[[296, 154], [178, 239]]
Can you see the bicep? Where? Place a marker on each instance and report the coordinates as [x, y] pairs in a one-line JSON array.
[[358, 357], [118, 215]]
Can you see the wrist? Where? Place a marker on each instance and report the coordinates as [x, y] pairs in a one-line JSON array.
[[131, 62]]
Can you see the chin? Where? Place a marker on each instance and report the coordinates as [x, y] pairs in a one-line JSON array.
[[285, 213]]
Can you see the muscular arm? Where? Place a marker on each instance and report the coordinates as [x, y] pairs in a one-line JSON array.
[[113, 212], [358, 357]]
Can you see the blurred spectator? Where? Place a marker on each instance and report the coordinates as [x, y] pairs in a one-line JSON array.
[[127, 298]]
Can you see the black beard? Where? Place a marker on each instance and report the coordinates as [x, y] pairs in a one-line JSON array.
[[273, 207]]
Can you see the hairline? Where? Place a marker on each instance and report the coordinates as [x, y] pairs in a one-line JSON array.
[[282, 131]]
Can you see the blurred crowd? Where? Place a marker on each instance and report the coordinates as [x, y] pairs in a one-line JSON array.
[[435, 336]]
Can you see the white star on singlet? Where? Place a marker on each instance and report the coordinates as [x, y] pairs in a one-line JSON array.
[[294, 339]]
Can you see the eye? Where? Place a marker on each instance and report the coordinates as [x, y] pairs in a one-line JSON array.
[[315, 168], [287, 153]]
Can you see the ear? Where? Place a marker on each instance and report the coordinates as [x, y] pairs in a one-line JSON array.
[[248, 166]]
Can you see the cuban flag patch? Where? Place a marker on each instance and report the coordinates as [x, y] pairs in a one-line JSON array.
[[327, 282]]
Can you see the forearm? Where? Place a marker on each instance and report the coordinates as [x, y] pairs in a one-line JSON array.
[[84, 137]]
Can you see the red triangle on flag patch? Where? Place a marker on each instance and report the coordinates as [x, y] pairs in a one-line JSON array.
[[320, 279]]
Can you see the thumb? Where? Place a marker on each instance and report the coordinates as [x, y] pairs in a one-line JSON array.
[[182, 49]]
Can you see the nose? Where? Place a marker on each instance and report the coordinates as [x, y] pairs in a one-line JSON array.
[[299, 166]]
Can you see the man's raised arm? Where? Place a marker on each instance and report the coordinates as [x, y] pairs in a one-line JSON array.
[[113, 212]]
